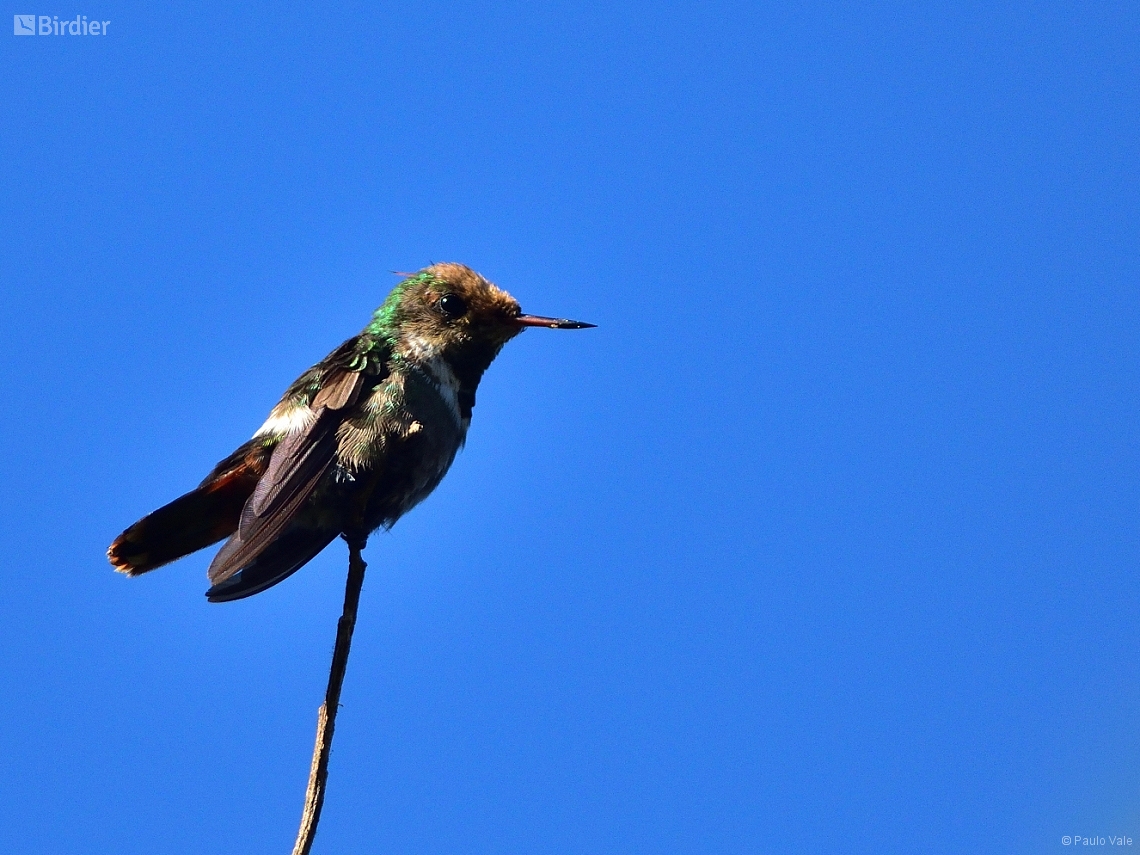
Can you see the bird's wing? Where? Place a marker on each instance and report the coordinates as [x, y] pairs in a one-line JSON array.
[[291, 550], [298, 463]]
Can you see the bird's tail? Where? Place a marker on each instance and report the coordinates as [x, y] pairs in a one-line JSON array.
[[189, 523]]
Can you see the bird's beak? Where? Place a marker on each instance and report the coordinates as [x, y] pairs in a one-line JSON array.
[[551, 323]]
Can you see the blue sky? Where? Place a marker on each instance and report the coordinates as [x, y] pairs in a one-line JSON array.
[[824, 541]]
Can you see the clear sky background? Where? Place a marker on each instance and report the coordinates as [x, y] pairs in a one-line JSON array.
[[824, 541]]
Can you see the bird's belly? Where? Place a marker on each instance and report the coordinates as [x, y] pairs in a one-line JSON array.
[[392, 463], [410, 479]]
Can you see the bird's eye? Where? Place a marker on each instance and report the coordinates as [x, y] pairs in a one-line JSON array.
[[453, 306]]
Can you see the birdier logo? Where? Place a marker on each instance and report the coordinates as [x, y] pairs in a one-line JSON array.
[[51, 25]]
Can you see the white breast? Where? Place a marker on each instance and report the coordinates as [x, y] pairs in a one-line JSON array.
[[433, 366]]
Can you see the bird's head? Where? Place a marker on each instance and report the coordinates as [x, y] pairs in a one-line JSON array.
[[450, 311]]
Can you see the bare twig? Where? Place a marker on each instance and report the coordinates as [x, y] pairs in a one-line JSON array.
[[326, 715]]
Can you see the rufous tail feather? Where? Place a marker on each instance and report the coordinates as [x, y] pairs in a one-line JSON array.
[[189, 523]]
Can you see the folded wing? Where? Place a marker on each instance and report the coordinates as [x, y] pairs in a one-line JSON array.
[[299, 462]]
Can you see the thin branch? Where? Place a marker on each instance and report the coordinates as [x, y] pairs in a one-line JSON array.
[[326, 715]]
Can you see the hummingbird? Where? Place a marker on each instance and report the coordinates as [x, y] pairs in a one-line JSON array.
[[355, 442]]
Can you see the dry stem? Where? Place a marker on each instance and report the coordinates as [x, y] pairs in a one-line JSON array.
[[326, 715]]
